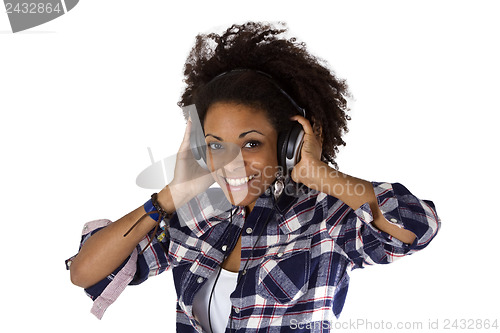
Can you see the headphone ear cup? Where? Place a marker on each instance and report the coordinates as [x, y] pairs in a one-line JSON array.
[[198, 148], [289, 145], [196, 140], [282, 143], [294, 145]]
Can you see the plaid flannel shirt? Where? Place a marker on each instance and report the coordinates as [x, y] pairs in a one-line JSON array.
[[297, 273]]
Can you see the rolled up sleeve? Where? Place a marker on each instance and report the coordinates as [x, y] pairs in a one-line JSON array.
[[134, 270], [365, 244]]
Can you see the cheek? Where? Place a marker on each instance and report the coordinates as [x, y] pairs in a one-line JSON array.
[[267, 163], [265, 172]]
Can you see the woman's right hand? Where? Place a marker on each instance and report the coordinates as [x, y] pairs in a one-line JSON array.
[[190, 178]]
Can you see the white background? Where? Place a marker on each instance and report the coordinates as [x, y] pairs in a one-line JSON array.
[[83, 96]]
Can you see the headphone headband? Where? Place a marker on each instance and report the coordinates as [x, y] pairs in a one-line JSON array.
[[301, 110]]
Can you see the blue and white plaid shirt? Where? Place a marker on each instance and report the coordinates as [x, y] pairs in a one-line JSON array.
[[297, 273]]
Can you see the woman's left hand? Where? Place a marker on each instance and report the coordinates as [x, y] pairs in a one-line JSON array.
[[306, 171]]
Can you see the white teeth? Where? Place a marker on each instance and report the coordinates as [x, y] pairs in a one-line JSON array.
[[238, 182]]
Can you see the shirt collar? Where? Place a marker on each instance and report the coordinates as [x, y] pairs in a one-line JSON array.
[[211, 207], [290, 206]]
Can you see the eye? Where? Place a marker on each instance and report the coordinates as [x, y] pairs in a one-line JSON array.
[[214, 146], [252, 144]]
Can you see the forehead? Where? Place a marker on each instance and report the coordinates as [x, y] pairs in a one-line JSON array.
[[230, 116]]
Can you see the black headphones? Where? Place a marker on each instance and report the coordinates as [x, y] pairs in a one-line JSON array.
[[289, 141]]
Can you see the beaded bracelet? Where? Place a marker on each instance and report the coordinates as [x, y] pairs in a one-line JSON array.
[[156, 212], [152, 206]]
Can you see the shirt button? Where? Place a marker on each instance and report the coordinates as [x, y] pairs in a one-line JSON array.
[[224, 248], [280, 254], [249, 230], [236, 310], [394, 220], [200, 280]]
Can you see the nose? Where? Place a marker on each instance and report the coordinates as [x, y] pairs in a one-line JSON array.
[[229, 158], [234, 166]]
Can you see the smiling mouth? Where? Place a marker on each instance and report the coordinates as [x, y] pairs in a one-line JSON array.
[[238, 181]]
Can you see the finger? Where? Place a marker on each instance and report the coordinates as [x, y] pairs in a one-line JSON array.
[[306, 125], [187, 134]]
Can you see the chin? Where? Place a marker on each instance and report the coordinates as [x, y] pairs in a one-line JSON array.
[[240, 198], [241, 195]]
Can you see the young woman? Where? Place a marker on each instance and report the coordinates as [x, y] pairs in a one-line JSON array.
[[270, 118]]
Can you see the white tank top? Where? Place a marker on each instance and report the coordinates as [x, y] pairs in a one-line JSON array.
[[220, 307]]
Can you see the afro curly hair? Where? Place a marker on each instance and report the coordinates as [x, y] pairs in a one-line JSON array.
[[262, 47]]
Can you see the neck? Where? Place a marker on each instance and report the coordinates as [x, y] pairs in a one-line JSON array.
[[250, 207]]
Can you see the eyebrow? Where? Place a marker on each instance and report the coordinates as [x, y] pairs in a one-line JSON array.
[[240, 136]]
